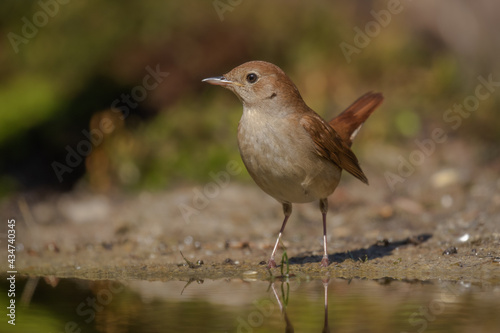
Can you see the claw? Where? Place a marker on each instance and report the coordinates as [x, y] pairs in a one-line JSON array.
[[271, 263], [325, 262]]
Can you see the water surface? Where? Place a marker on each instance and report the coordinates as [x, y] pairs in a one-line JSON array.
[[298, 305]]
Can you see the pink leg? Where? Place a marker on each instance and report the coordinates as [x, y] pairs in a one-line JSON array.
[[287, 210], [323, 206]]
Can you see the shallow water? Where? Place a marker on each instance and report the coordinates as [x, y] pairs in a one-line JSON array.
[[48, 304]]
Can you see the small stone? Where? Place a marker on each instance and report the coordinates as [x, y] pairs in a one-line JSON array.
[[386, 211], [250, 276], [383, 242], [450, 250], [464, 238], [444, 178], [228, 261]]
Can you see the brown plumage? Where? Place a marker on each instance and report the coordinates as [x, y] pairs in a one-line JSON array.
[[330, 145], [288, 149], [351, 119]]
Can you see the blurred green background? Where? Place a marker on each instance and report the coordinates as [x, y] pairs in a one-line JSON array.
[[66, 66]]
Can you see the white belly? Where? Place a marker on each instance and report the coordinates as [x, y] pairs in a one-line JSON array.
[[285, 166]]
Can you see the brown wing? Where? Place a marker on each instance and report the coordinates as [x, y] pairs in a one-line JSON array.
[[331, 146], [350, 120]]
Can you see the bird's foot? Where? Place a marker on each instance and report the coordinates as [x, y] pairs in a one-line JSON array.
[[325, 262], [271, 263]]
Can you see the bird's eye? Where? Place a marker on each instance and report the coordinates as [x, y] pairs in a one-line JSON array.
[[252, 77]]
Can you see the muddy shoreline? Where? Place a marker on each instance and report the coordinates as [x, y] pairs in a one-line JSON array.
[[444, 223]]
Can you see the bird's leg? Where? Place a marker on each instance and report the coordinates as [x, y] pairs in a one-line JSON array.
[[287, 210], [323, 206]]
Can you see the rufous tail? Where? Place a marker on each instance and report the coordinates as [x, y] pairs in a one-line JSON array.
[[348, 123]]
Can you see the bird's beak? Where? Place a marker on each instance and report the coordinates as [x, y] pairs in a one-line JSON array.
[[219, 81]]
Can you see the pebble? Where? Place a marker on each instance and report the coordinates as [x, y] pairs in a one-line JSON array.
[[450, 250], [386, 211], [444, 178], [250, 276], [464, 238]]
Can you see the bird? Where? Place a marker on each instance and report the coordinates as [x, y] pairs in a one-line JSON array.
[[290, 151]]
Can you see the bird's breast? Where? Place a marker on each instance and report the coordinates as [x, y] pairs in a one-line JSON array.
[[279, 155]]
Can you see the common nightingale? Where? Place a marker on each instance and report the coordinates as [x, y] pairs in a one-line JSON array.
[[289, 150]]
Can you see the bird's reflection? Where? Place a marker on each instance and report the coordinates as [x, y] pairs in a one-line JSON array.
[[326, 329], [283, 302], [282, 305]]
